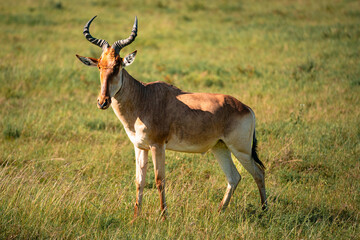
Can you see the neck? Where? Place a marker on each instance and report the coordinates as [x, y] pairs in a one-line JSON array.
[[127, 102], [131, 89]]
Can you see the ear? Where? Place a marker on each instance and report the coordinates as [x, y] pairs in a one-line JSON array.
[[129, 59], [88, 61]]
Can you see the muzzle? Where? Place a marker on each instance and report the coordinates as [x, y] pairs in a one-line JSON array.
[[103, 102]]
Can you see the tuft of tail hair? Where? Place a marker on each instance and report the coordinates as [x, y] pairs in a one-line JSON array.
[[254, 154]]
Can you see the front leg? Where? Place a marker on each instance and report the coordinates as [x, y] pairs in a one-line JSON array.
[[158, 156], [141, 166]]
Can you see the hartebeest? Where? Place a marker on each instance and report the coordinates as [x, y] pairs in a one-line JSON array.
[[158, 116]]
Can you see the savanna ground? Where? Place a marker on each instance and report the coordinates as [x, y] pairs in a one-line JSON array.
[[67, 169]]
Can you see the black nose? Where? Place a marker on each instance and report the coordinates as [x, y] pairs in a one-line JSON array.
[[104, 105]]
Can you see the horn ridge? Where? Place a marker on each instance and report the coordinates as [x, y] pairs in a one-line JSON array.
[[98, 42], [118, 45]]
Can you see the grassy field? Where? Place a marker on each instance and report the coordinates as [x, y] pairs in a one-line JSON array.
[[67, 169]]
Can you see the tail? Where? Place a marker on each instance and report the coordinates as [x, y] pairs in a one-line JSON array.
[[254, 154]]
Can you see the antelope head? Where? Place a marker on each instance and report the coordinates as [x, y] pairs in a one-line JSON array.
[[110, 63]]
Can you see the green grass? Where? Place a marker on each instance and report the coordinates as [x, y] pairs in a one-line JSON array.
[[67, 170]]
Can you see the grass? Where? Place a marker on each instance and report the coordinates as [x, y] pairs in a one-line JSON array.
[[67, 170]]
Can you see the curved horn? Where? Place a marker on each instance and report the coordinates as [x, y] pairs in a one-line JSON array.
[[118, 45], [98, 42]]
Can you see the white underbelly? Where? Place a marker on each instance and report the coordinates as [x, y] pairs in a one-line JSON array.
[[139, 137], [184, 146], [141, 141]]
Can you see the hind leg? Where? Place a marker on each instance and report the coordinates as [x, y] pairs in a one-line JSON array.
[[223, 156], [255, 170]]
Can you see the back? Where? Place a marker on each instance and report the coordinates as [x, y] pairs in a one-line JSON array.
[[201, 119]]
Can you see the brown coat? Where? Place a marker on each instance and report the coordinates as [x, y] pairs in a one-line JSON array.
[[161, 113]]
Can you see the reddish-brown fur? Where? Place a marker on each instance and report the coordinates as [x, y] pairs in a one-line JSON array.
[[170, 112], [159, 116]]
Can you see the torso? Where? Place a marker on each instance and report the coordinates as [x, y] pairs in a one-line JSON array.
[[186, 122]]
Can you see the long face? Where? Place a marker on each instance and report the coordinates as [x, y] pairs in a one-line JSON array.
[[110, 64]]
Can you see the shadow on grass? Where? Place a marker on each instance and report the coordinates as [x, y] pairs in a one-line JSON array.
[[284, 212]]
